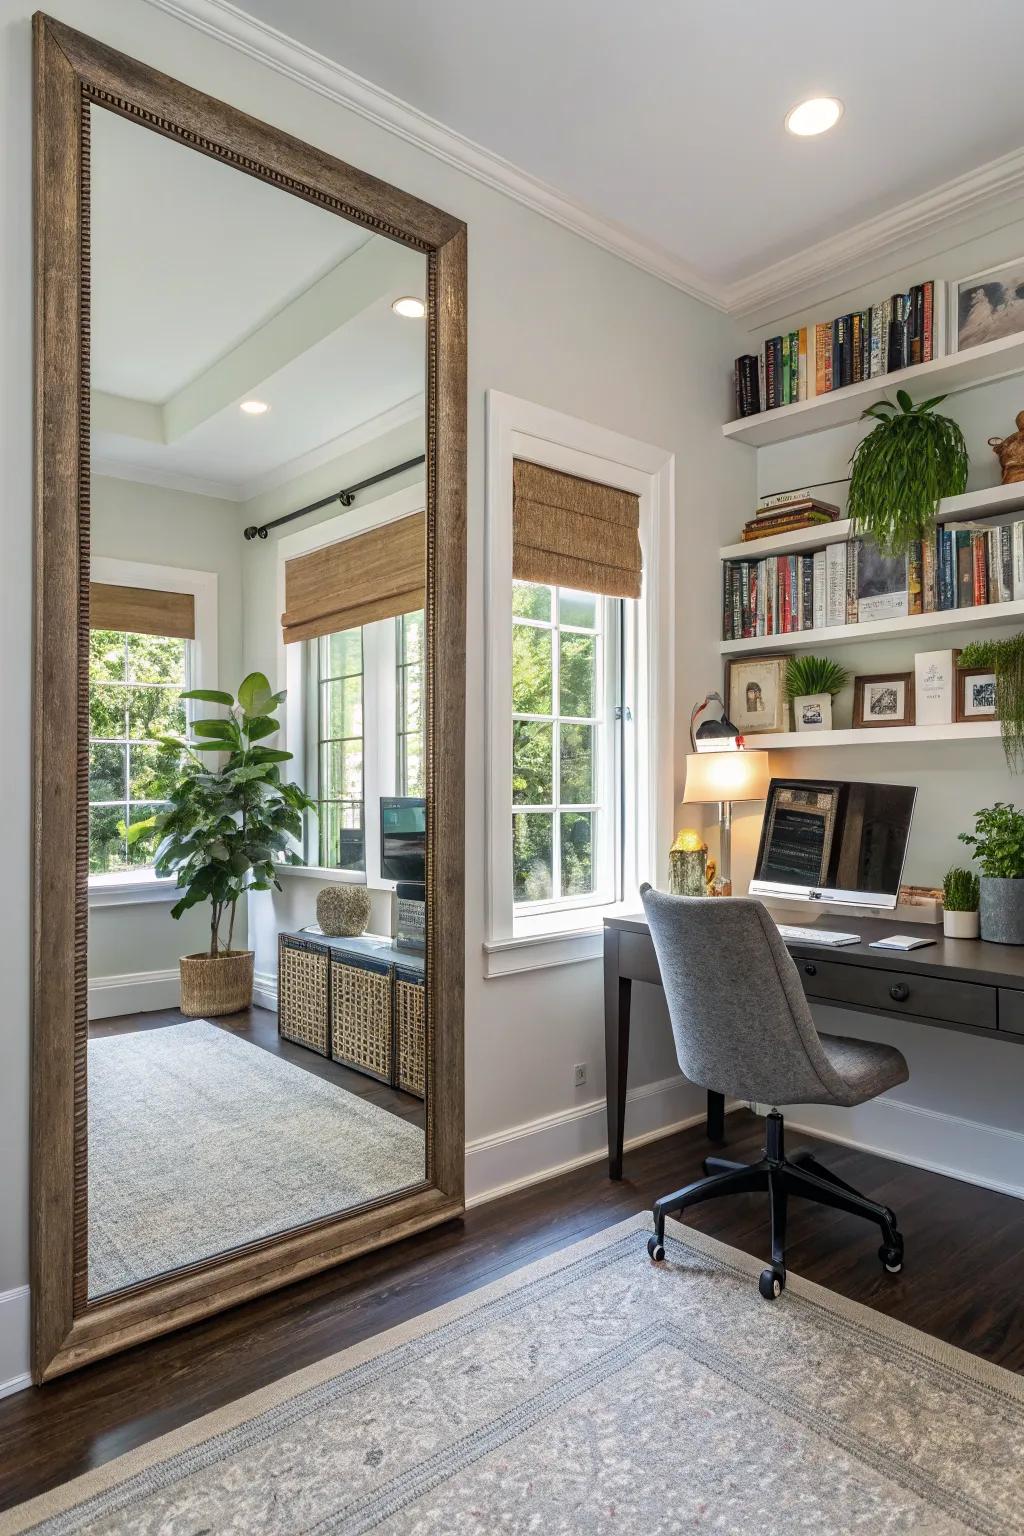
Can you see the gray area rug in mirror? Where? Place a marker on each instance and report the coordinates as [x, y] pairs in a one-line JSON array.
[[594, 1392], [200, 1142]]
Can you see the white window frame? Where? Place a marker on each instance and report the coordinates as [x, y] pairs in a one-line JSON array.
[[123, 888], [522, 429], [293, 675]]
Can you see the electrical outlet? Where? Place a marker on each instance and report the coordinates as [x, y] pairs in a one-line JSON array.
[[579, 1074]]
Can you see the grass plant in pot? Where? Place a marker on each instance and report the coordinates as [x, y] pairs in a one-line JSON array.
[[899, 472], [223, 832], [960, 904], [812, 682], [997, 843]]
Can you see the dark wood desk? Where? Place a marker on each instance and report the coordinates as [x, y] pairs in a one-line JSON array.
[[962, 984]]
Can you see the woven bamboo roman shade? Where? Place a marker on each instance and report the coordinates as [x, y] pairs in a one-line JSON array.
[[142, 611], [375, 575], [569, 532]]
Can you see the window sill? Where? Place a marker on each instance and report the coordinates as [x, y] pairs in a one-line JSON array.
[[549, 939], [124, 890]]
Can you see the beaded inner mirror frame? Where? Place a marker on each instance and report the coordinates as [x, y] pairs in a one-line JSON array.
[[73, 73]]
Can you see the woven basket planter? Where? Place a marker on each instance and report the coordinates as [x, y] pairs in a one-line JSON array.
[[211, 988]]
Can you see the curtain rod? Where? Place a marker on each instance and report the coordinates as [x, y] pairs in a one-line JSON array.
[[346, 497]]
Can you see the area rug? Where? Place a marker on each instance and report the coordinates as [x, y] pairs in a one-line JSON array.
[[594, 1392], [200, 1142]]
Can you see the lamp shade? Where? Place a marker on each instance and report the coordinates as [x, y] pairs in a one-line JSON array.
[[715, 776]]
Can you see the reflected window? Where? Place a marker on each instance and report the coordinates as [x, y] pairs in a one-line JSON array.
[[340, 750], [566, 822], [135, 686], [411, 733]]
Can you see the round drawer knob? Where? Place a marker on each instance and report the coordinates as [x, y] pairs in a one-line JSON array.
[[898, 992], [810, 969]]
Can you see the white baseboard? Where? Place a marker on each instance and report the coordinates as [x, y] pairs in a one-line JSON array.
[[925, 1138], [264, 990], [541, 1149], [14, 1341], [133, 992]]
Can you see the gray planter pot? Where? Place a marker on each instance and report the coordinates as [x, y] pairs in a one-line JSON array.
[[1002, 910]]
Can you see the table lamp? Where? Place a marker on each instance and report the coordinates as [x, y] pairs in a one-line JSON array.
[[720, 778]]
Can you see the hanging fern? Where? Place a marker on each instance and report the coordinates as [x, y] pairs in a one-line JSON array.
[[1006, 659], [901, 470]]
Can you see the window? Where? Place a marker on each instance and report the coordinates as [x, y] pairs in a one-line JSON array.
[[566, 723], [135, 683], [365, 715]]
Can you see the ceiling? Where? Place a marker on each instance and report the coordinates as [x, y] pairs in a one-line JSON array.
[[209, 287], [667, 117]]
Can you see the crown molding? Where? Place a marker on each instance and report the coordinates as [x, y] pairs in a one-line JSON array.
[[932, 212], [225, 22], [104, 468]]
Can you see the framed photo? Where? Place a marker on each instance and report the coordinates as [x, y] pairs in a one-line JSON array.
[[756, 695], [987, 306], [813, 712], [887, 699], [975, 694]]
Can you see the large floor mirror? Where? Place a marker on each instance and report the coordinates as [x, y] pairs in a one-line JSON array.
[[249, 707]]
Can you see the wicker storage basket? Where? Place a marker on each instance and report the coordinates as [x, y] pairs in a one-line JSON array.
[[302, 981], [211, 987], [361, 1014], [410, 1067]]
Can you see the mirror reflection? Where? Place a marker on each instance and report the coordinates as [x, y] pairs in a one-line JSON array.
[[257, 670]]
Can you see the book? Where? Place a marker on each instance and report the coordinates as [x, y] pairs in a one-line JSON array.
[[979, 560], [1018, 561], [822, 359], [856, 349], [1005, 563], [748, 386], [928, 328], [852, 561], [929, 576], [795, 501], [934, 687], [806, 591], [835, 583], [882, 588], [915, 580], [782, 499], [818, 589], [802, 370], [963, 550], [786, 373]]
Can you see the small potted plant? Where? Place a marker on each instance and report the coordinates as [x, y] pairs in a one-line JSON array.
[[812, 682], [960, 904], [223, 833], [998, 845]]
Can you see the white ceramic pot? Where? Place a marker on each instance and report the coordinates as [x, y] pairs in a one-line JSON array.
[[960, 925], [812, 712]]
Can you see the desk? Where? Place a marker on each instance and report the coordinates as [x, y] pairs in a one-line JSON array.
[[962, 984]]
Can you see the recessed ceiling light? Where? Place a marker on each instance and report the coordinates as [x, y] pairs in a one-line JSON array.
[[815, 116], [412, 309], [254, 407]]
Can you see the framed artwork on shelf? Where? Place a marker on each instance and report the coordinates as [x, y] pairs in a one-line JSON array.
[[975, 694], [987, 306], [756, 694], [884, 700]]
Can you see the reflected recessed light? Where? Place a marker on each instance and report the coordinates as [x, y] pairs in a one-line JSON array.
[[412, 309], [815, 116], [254, 407]]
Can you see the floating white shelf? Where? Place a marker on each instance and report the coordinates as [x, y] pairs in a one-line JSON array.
[[863, 634], [874, 736], [998, 500], [943, 375]]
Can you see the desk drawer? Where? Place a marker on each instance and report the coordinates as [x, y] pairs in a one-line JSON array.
[[1011, 1010], [922, 997]]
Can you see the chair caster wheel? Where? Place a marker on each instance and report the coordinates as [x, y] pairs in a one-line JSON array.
[[892, 1257], [656, 1249], [772, 1283]]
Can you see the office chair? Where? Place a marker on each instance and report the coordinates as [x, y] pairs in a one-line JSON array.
[[742, 1027]]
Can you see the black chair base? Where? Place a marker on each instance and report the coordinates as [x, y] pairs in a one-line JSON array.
[[802, 1176]]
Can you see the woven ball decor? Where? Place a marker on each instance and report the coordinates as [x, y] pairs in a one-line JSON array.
[[343, 911]]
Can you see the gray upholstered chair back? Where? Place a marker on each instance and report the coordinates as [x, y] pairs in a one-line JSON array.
[[739, 1016]]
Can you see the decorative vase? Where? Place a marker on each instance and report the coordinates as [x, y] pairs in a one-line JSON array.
[[687, 865], [343, 911], [812, 712], [1002, 910], [212, 987], [960, 925], [1010, 453]]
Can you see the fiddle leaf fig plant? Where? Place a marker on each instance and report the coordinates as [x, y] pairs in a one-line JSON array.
[[901, 470], [227, 826]]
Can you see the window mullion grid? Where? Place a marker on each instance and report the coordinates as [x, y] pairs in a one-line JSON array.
[[556, 750]]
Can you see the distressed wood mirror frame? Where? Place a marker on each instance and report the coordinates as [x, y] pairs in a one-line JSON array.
[[73, 72]]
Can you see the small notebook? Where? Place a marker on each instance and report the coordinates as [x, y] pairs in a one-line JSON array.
[[900, 941]]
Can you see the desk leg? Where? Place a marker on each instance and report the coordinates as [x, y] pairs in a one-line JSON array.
[[716, 1116], [617, 996]]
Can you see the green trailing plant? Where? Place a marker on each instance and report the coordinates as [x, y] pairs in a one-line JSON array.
[[1006, 659], [814, 674], [998, 841], [961, 891], [227, 828], [901, 470]]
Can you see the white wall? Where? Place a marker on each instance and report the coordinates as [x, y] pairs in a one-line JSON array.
[[551, 318]]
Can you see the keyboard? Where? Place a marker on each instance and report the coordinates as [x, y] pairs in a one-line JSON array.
[[828, 936]]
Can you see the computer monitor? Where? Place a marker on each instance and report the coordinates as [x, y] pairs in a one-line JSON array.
[[403, 838], [830, 841]]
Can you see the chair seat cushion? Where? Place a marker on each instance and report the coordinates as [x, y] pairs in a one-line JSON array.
[[866, 1067]]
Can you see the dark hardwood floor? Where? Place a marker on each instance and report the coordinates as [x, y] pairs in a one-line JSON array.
[[259, 1027], [963, 1281]]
